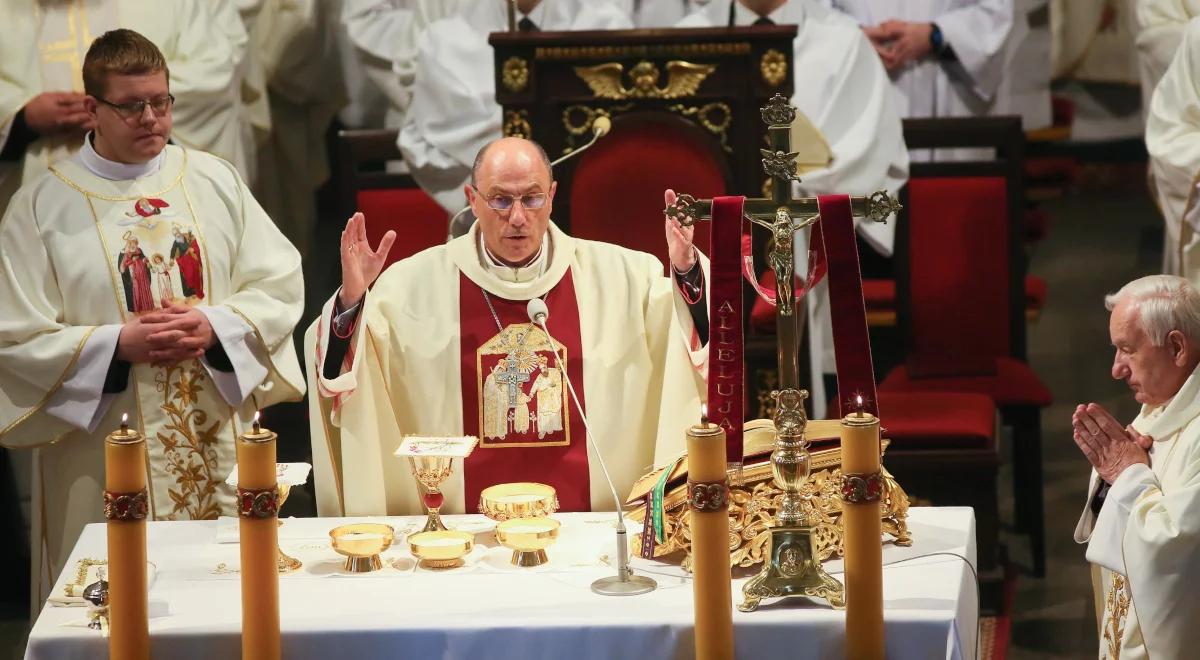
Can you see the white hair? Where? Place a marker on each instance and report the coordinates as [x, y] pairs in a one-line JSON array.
[[1163, 303]]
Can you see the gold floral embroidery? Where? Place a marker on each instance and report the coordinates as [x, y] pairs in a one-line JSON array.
[[189, 446], [1116, 604]]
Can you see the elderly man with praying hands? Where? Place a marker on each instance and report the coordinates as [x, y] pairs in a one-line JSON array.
[[1142, 521]]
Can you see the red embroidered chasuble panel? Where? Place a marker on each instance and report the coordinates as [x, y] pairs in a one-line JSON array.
[[515, 398]]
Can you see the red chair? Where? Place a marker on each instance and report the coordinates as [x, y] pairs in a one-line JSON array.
[[961, 294], [617, 185], [388, 200]]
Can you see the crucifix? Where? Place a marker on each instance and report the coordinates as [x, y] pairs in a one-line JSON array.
[[512, 377], [791, 567]]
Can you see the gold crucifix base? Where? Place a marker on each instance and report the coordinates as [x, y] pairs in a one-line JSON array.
[[792, 570]]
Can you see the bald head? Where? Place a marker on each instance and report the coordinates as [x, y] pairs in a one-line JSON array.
[[512, 194], [509, 151]]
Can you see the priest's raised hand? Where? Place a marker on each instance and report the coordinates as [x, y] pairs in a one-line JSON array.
[[360, 264], [679, 238]]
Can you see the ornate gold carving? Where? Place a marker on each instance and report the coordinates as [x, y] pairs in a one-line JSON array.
[[126, 506], [189, 442], [773, 67], [516, 124], [1116, 604], [643, 51], [514, 74], [880, 205], [707, 496], [754, 502], [778, 112], [715, 117], [780, 164], [683, 79]]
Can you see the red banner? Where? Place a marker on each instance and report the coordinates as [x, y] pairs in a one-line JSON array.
[[726, 363], [851, 343]]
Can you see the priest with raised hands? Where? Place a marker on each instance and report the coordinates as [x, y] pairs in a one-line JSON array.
[[138, 278], [442, 345]]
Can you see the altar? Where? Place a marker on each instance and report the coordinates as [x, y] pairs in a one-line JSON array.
[[491, 609]]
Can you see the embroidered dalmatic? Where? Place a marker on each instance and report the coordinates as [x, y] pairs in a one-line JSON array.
[[82, 255], [444, 346], [45, 43], [1146, 539]]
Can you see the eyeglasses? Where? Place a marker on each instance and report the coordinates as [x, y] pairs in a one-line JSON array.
[[160, 105], [505, 203]]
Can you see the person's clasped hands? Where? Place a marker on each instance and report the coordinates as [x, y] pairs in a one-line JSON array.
[[1108, 446]]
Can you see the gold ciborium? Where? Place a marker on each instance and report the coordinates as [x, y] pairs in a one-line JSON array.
[[441, 549], [284, 563], [361, 543], [523, 499], [791, 567], [528, 538], [431, 472]]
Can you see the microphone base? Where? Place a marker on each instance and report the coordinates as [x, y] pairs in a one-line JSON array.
[[634, 585]]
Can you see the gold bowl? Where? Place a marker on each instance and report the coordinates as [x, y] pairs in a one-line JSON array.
[[518, 500], [528, 538], [441, 549], [361, 543]]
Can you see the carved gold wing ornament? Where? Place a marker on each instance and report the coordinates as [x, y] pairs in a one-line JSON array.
[[607, 80], [754, 500]]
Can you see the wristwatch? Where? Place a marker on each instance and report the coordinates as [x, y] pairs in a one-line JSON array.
[[936, 43]]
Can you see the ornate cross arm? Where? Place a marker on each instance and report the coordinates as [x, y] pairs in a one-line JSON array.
[[877, 207]]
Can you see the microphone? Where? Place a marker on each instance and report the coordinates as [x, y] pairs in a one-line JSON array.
[[600, 127], [625, 583]]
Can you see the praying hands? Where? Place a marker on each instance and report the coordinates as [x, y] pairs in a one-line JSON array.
[[1108, 446], [900, 42]]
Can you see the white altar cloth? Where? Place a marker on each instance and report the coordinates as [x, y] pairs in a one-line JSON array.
[[492, 610]]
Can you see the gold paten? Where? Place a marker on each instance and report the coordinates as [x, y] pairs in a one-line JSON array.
[[528, 538], [516, 124], [514, 74], [754, 501], [773, 67], [683, 79], [361, 543], [441, 549], [523, 499]]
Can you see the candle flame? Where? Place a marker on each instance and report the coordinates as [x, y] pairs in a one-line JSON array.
[[704, 411], [860, 401], [257, 418], [124, 421]]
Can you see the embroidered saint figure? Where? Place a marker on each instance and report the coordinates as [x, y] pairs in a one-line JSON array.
[[135, 275], [185, 252]]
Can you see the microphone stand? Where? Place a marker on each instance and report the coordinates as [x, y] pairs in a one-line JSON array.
[[624, 583]]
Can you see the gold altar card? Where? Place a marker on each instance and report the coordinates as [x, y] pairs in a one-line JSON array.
[[453, 447], [754, 499]]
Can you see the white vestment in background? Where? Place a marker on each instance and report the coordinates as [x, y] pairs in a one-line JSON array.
[[43, 50], [1160, 26], [843, 91], [641, 384], [1093, 41], [1025, 85], [454, 111], [1173, 140], [295, 43], [1146, 539], [80, 250]]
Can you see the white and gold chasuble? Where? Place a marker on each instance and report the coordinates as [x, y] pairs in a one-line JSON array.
[[417, 366], [1145, 543], [80, 252]]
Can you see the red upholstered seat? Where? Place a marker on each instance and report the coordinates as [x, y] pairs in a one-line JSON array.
[[1036, 291], [418, 220], [945, 420], [617, 185], [1012, 384]]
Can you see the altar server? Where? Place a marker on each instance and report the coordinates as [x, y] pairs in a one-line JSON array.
[[138, 278]]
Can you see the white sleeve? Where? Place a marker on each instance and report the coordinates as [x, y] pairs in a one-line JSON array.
[[248, 371], [1105, 546], [81, 400]]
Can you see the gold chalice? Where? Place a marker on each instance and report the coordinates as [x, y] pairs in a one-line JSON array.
[[284, 563], [528, 538], [361, 543], [431, 472], [518, 500], [441, 549]]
